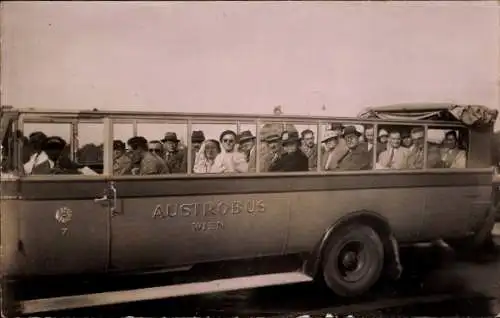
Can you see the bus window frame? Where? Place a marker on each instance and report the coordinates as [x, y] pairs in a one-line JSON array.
[[72, 120], [130, 117]]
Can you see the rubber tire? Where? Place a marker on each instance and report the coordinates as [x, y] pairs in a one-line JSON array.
[[372, 243]]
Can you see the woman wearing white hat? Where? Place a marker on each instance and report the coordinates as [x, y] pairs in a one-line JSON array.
[[330, 140]]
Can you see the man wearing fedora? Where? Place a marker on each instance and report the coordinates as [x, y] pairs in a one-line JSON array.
[[174, 157], [246, 142], [197, 139], [357, 157], [293, 159]]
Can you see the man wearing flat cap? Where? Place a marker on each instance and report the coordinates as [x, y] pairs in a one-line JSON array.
[[271, 152], [356, 157], [246, 142], [148, 163], [174, 157], [293, 159], [122, 164]]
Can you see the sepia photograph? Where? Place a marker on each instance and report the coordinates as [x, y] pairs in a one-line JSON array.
[[250, 159]]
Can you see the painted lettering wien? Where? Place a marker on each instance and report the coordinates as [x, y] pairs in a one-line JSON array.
[[207, 226]]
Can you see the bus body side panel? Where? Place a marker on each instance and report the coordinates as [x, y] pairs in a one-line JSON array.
[[9, 209], [60, 229], [402, 199], [168, 223]]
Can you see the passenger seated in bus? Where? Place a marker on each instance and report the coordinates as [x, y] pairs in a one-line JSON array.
[[197, 138], [122, 164], [38, 161], [309, 148], [356, 158], [293, 159], [330, 140], [416, 154], [246, 142], [395, 156], [58, 162], [272, 151], [230, 159], [205, 161], [383, 137], [148, 163], [451, 155], [174, 157], [370, 141], [340, 150], [406, 140], [156, 147]]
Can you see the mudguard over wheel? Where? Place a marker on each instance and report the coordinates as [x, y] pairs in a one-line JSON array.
[[353, 260]]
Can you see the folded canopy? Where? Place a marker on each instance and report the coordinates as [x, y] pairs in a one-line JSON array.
[[469, 115]]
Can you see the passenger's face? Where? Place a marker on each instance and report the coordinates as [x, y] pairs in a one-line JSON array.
[[211, 150], [196, 146], [117, 153], [369, 134], [228, 142], [309, 140], [418, 140], [407, 142], [384, 139], [170, 146], [274, 146], [332, 143], [247, 145], [290, 147], [351, 141], [395, 140], [450, 142], [156, 148]]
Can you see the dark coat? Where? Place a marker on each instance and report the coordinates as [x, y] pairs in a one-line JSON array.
[[356, 159], [295, 161]]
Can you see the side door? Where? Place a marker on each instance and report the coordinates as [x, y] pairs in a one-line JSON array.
[[180, 219], [62, 229]]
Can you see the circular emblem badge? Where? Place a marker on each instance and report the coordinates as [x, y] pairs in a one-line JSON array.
[[63, 215]]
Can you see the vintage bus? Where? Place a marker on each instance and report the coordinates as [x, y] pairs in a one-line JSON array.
[[111, 193]]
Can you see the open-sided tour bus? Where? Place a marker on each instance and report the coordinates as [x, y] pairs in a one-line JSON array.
[[105, 193]]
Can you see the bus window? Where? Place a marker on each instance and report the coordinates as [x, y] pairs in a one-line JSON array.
[[352, 151], [50, 149], [272, 147], [447, 148], [9, 141], [159, 148], [89, 148], [400, 147], [219, 152], [247, 144]]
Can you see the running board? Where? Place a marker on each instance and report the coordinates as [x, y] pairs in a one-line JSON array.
[[117, 297]]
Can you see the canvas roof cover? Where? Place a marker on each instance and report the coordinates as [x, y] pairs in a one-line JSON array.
[[469, 115]]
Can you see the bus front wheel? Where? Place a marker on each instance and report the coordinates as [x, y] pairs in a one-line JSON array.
[[353, 260]]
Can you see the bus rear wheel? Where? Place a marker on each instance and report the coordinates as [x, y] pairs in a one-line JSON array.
[[353, 260]]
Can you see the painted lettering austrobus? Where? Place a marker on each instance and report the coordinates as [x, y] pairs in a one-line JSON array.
[[209, 209]]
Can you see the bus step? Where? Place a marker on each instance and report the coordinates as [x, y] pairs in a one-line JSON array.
[[117, 297]]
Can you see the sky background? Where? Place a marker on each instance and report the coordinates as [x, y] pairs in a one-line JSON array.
[[248, 57]]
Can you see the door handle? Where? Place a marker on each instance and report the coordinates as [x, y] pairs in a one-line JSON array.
[[101, 199], [109, 199]]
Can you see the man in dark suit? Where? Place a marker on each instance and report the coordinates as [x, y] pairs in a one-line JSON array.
[[357, 157], [293, 159]]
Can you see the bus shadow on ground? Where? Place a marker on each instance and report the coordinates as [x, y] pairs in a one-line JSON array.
[[424, 274]]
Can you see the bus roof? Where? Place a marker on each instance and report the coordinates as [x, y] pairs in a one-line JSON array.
[[397, 113], [469, 115]]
